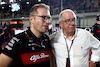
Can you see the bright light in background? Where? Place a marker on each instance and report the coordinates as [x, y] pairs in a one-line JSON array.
[[9, 5], [27, 2], [23, 17], [2, 7], [39, 0], [3, 3], [11, 0], [15, 7]]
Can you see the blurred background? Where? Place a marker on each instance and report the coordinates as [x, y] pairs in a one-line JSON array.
[[15, 13], [86, 10]]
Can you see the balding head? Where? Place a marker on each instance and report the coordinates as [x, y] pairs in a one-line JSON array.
[[64, 11]]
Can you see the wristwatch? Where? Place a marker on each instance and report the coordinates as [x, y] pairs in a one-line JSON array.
[[97, 64]]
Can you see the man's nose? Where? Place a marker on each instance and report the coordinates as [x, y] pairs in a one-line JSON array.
[[47, 21]]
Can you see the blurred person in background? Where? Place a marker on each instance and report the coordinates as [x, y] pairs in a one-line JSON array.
[[9, 30], [50, 28], [71, 45], [1, 36], [95, 30], [30, 48], [5, 28]]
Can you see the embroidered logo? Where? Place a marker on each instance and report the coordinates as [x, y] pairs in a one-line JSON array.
[[37, 57]]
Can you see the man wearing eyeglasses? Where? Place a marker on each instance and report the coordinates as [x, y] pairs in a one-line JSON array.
[[71, 45], [30, 48]]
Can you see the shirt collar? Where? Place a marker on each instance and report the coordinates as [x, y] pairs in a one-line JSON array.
[[32, 36], [76, 31]]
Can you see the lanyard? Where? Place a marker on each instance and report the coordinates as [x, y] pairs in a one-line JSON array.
[[70, 46]]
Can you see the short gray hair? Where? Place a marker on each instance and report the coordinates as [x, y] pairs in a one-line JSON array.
[[34, 8], [60, 15]]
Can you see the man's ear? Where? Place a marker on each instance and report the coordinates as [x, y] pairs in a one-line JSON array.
[[60, 23], [31, 18]]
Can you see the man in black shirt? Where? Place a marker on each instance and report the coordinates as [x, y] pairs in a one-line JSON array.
[[95, 30], [30, 48]]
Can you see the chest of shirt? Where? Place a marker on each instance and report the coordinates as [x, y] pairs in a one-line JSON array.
[[34, 52], [80, 47]]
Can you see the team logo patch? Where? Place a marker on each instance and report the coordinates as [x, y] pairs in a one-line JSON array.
[[98, 31], [33, 58]]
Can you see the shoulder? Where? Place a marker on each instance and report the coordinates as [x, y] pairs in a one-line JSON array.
[[83, 32], [45, 36], [55, 34], [22, 34], [95, 25], [21, 37], [16, 41]]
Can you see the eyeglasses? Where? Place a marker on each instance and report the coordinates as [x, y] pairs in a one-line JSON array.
[[68, 21], [43, 17]]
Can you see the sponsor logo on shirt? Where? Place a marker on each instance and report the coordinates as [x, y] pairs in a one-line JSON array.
[[32, 44], [11, 43], [98, 31], [37, 57]]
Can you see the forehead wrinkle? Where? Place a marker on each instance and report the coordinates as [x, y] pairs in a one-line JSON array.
[[67, 15]]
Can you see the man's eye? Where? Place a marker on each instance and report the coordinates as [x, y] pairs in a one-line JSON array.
[[68, 20], [43, 17], [73, 19]]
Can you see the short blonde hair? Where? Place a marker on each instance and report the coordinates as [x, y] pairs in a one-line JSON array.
[[34, 8]]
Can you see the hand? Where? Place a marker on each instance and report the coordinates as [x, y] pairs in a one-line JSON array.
[[92, 64]]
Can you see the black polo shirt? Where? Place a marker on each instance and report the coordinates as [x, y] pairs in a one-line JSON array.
[[29, 51]]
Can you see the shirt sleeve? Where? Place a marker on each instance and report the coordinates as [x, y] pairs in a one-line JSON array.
[[95, 46], [12, 48]]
